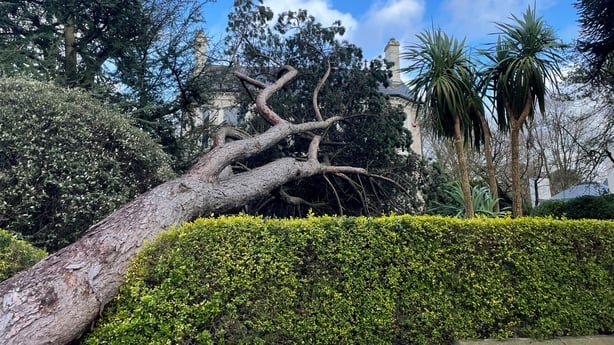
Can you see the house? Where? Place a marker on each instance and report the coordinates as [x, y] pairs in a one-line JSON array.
[[582, 189], [398, 93], [223, 109]]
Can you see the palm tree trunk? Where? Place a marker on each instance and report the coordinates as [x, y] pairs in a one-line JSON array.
[[462, 166], [515, 142], [516, 195], [490, 166]]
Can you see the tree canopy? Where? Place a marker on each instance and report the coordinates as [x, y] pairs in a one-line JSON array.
[[371, 135], [597, 38], [523, 61], [139, 54], [442, 79]]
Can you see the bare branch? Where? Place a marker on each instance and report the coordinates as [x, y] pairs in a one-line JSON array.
[[249, 80], [267, 91], [312, 153], [295, 200], [358, 188], [339, 169], [211, 164], [336, 195], [316, 91], [228, 132]]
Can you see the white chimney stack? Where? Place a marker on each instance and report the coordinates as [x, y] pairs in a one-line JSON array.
[[391, 54], [200, 52]]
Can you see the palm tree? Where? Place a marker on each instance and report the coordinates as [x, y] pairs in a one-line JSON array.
[[441, 72], [524, 61]]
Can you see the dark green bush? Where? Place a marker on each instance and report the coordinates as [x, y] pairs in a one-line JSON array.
[[67, 160], [390, 280], [16, 255], [584, 207], [550, 208]]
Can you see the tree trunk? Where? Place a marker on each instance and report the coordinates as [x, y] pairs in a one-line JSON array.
[[516, 185], [490, 166], [57, 299], [462, 166], [517, 124], [70, 63]]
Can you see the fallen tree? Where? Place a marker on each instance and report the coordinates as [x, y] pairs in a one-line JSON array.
[[56, 300]]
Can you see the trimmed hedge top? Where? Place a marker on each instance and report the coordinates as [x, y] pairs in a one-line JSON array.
[[343, 280]]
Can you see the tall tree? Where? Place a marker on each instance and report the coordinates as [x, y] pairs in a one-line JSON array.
[[65, 41], [30, 45], [161, 80], [476, 108], [371, 135], [138, 53], [523, 61], [440, 72]]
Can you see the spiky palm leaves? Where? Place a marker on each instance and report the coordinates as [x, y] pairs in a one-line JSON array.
[[523, 62], [441, 82]]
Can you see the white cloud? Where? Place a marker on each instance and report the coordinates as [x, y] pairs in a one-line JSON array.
[[385, 19], [476, 19], [400, 19], [322, 10]]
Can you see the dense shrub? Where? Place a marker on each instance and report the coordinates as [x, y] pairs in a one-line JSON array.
[[16, 254], [390, 280], [66, 160], [584, 207], [549, 208]]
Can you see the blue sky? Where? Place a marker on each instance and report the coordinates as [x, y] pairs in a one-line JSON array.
[[371, 23]]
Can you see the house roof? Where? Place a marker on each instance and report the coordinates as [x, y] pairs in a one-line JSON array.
[[395, 90], [582, 189]]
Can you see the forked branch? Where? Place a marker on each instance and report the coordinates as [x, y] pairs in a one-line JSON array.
[[267, 91]]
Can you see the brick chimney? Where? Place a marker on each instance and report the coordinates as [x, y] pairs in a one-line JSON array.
[[391, 54]]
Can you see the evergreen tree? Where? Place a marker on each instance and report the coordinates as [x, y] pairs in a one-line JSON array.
[[137, 53], [372, 135], [597, 38], [64, 41]]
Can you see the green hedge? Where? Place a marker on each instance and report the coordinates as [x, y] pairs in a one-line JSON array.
[[16, 255], [389, 280], [584, 207]]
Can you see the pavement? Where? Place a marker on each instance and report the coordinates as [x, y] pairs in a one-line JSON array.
[[592, 340]]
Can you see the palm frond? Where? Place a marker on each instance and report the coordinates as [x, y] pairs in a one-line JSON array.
[[440, 72], [525, 61]]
